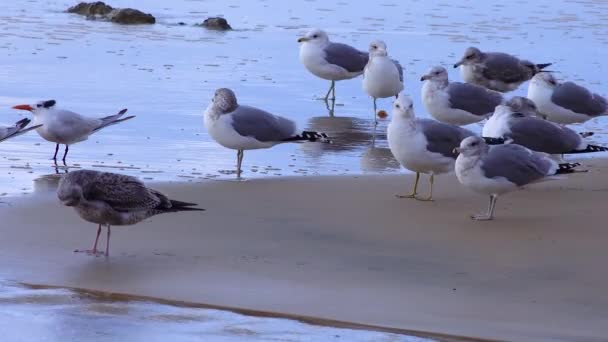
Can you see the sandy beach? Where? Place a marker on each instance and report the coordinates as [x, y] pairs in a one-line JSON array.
[[344, 248]]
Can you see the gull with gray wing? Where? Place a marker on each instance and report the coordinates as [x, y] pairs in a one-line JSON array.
[[496, 170], [112, 199], [533, 132], [17, 129], [330, 61], [243, 128], [496, 70], [567, 102], [454, 102]]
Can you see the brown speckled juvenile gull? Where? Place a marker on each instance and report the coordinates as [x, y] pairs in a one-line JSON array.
[[112, 199], [15, 130]]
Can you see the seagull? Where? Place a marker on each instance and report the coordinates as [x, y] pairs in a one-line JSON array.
[[112, 199], [15, 130], [533, 132], [565, 103], [248, 128], [500, 169], [454, 102], [496, 70], [382, 77], [422, 145], [329, 60], [64, 127]]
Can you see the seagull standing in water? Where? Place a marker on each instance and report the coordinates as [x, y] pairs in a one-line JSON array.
[[497, 170], [65, 127], [16, 130], [496, 70], [567, 102], [454, 102], [112, 199], [383, 77], [330, 61], [516, 123], [248, 128]]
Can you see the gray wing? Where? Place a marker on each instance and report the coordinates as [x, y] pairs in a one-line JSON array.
[[261, 125], [543, 136], [515, 163], [579, 100], [346, 57], [473, 99], [441, 137], [124, 193], [505, 68], [399, 68]]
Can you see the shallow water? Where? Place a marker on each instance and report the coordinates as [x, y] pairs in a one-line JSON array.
[[166, 74], [30, 314]]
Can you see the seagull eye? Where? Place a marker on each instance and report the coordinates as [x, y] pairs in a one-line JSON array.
[[437, 73], [398, 106], [315, 36], [374, 47], [469, 56]]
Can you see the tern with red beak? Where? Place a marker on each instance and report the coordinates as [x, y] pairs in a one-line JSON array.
[[65, 127]]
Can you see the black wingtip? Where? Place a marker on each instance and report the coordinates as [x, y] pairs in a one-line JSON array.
[[311, 137], [22, 123], [568, 168], [591, 149], [122, 111], [586, 134], [494, 141], [543, 65]]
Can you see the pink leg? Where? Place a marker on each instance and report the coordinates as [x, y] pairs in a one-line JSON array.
[[94, 250], [108, 242]]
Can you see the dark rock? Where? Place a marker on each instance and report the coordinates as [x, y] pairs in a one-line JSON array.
[[216, 23], [99, 10], [130, 16], [91, 8]]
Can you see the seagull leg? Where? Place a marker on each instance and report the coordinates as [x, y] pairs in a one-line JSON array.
[[108, 242], [65, 153], [413, 194], [333, 92], [375, 117], [430, 198], [331, 87], [490, 214], [239, 161], [94, 250], [56, 150]]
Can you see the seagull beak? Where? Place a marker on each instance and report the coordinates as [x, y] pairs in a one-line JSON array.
[[458, 64], [425, 77], [456, 150], [24, 107], [303, 39]]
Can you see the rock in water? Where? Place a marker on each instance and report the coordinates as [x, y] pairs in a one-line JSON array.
[[216, 23], [91, 8], [130, 16], [99, 10]]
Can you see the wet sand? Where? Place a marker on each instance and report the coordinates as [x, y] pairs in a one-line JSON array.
[[344, 248]]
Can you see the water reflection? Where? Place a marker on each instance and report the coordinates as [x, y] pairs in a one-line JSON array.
[[34, 313], [378, 159]]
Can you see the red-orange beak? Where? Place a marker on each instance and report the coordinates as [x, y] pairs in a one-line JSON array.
[[24, 107]]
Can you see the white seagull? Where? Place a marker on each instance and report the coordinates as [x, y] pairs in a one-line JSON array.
[[17, 129], [330, 61], [499, 169], [382, 77], [65, 127], [565, 103], [513, 122], [422, 145], [112, 199], [454, 102], [496, 70], [248, 128]]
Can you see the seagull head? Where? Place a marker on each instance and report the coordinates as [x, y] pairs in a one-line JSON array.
[[436, 74], [38, 107], [471, 55], [520, 104], [545, 79], [377, 48], [69, 193], [403, 107], [224, 100], [472, 146], [314, 36]]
